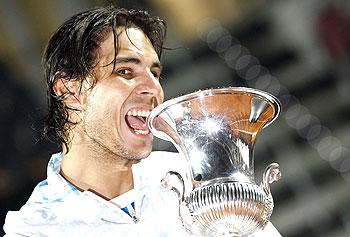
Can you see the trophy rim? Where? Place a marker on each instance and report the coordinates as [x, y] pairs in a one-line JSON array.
[[209, 92]]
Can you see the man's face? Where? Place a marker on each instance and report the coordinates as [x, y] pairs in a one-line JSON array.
[[114, 117]]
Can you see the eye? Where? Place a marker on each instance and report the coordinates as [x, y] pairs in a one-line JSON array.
[[156, 74], [124, 72]]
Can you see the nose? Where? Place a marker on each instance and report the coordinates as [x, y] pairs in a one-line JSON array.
[[150, 86]]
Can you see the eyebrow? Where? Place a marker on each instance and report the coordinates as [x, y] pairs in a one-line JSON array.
[[136, 61]]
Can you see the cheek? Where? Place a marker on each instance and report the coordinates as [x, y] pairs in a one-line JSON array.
[[106, 102], [100, 108], [100, 122]]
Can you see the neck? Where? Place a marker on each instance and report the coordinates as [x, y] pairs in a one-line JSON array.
[[97, 170]]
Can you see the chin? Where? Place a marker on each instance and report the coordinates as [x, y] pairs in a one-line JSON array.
[[139, 155]]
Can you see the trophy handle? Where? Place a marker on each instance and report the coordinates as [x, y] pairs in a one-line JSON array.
[[272, 173], [169, 183]]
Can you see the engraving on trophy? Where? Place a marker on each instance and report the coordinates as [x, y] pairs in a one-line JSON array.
[[215, 131]]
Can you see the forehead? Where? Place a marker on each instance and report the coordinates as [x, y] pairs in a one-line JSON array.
[[131, 42]]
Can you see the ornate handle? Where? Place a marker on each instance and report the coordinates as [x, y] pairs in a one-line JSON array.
[[173, 184], [272, 173]]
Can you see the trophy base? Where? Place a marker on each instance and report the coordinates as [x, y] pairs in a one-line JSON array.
[[227, 209]]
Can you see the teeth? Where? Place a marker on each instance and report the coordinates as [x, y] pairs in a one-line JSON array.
[[140, 132], [140, 113], [144, 113]]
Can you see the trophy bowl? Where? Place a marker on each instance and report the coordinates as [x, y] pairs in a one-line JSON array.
[[215, 131]]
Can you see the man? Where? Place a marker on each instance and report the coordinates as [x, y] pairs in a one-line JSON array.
[[102, 69]]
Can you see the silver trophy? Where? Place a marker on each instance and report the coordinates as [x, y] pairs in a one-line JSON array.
[[215, 131]]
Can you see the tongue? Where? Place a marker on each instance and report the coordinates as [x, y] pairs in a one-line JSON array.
[[136, 122]]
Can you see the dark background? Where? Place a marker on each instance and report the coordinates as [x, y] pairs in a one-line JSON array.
[[297, 50]]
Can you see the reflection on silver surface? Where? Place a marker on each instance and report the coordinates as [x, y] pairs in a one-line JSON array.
[[258, 106], [215, 131]]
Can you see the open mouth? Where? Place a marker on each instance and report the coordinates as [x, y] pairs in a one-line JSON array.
[[136, 120]]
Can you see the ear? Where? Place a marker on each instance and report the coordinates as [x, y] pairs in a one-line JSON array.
[[70, 91]]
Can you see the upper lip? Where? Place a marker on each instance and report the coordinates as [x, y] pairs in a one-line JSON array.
[[140, 110]]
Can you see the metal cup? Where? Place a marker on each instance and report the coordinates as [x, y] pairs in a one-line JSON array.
[[215, 131]]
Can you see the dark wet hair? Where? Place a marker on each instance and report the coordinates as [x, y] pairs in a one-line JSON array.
[[72, 52]]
